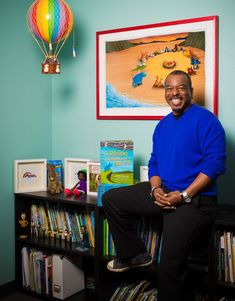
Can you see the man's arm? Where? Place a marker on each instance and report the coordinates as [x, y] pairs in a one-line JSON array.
[[199, 184], [173, 198]]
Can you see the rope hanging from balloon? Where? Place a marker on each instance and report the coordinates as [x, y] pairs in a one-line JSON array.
[[50, 22]]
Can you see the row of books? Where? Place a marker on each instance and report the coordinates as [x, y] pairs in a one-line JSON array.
[[143, 290], [51, 275], [55, 221], [151, 237], [148, 232], [108, 243], [225, 246]]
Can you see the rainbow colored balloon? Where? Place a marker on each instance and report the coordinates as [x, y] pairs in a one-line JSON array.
[[50, 20]]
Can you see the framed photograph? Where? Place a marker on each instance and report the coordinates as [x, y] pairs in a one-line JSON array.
[[71, 168], [30, 175], [132, 64], [93, 177]]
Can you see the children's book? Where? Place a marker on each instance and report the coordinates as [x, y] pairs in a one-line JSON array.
[[116, 160], [116, 165], [58, 168]]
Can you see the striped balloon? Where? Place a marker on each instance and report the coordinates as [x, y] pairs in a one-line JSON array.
[[50, 20]]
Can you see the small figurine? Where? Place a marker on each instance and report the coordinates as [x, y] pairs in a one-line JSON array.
[[85, 239], [66, 236], [23, 225], [79, 187]]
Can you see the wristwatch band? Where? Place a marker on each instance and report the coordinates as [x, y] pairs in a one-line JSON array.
[[185, 197]]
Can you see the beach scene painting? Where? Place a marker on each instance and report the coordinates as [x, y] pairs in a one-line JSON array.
[[132, 65]]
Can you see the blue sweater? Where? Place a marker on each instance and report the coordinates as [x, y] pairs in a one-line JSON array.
[[184, 147]]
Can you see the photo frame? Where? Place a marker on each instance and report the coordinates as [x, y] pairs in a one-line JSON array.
[[132, 64], [93, 177], [71, 168], [30, 175]]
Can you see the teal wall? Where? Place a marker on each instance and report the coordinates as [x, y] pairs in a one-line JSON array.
[[25, 116], [55, 117]]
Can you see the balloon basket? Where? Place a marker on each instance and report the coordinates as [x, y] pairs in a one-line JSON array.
[[51, 66]]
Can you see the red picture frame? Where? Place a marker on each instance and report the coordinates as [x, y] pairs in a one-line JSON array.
[[132, 63]]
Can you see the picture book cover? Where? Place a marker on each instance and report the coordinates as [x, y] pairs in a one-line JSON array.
[[58, 168], [116, 162], [93, 178]]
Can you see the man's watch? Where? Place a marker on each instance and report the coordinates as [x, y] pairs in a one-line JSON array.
[[185, 198]]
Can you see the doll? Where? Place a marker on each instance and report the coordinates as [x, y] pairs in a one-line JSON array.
[[79, 187], [23, 225]]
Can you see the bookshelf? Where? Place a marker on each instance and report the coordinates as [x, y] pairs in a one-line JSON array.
[[101, 284], [49, 241], [224, 245]]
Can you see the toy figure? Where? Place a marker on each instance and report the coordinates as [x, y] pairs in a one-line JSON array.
[[85, 239], [79, 187], [23, 225]]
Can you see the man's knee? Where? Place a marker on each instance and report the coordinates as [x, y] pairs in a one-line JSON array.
[[107, 198]]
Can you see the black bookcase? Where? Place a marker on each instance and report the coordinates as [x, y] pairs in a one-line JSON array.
[[88, 261], [93, 263]]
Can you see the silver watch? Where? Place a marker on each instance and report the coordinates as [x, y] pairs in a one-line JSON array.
[[185, 198]]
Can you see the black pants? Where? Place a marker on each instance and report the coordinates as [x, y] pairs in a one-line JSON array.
[[181, 230]]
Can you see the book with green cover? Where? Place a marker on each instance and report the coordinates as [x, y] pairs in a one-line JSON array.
[[116, 160], [116, 165]]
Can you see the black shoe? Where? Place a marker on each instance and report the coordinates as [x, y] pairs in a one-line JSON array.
[[118, 265], [121, 265]]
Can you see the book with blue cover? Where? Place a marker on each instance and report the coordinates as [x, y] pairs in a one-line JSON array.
[[58, 168]]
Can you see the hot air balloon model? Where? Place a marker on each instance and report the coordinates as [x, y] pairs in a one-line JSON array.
[[50, 23]]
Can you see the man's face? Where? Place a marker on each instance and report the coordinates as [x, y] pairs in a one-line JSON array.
[[178, 93]]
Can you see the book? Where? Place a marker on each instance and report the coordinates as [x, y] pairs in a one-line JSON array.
[[233, 253], [116, 166], [116, 162], [48, 275], [68, 279], [230, 259], [58, 168]]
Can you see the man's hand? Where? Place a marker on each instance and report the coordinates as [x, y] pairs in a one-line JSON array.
[[166, 200]]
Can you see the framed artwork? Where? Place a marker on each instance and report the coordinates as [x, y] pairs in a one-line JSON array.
[[71, 168], [132, 64], [30, 175], [93, 177]]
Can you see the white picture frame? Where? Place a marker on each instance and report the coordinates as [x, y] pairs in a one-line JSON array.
[[71, 168], [30, 175], [93, 177], [144, 173]]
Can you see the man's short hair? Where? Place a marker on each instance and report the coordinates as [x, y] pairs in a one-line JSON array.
[[180, 72]]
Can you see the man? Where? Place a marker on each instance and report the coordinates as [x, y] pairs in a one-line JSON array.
[[188, 155]]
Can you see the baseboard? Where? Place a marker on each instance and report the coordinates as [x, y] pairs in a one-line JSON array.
[[7, 288]]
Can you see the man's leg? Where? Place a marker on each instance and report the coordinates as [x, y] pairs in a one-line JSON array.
[[180, 229], [120, 206]]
